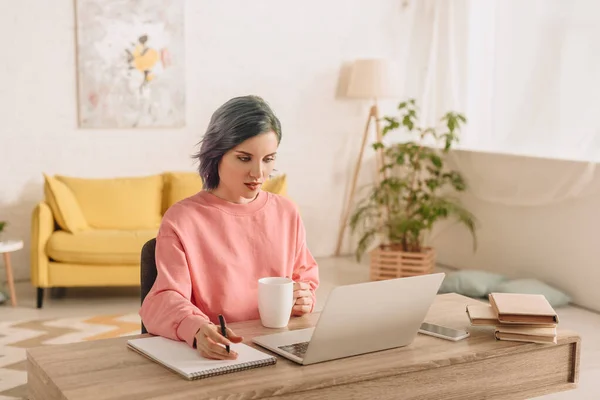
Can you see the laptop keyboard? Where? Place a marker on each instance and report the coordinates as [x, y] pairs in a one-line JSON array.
[[297, 349]]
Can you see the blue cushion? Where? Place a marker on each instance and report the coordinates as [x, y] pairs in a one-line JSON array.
[[555, 297], [471, 283]]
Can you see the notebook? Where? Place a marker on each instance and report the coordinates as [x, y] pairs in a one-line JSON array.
[[179, 357], [516, 308], [484, 315]]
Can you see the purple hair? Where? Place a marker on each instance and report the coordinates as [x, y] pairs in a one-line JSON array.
[[237, 120]]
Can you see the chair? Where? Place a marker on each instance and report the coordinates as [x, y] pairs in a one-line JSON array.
[[147, 271]]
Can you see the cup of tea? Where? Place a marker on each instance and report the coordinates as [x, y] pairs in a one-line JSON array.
[[275, 301]]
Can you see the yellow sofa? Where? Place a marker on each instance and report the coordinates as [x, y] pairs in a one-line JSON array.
[[89, 231]]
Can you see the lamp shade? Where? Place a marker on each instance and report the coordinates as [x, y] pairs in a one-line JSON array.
[[374, 78]]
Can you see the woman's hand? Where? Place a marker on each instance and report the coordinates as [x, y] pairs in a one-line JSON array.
[[211, 344], [303, 301]]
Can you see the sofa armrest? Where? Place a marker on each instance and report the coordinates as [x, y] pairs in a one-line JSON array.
[[42, 226]]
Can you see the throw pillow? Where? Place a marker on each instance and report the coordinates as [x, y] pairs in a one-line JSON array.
[[122, 203], [471, 283], [65, 207], [555, 297]]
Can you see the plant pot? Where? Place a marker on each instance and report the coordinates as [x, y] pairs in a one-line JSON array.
[[387, 263]]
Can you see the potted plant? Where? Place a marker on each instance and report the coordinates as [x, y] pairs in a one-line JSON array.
[[2, 226], [415, 192]]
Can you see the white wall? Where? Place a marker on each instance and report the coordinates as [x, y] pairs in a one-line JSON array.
[[267, 48], [536, 221], [290, 53]]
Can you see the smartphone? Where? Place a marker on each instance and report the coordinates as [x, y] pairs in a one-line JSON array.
[[443, 332]]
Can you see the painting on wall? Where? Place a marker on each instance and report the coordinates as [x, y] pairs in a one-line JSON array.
[[130, 63]]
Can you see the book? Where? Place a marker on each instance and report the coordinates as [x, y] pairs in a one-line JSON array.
[[519, 330], [522, 338], [484, 315], [521, 334], [517, 308], [179, 357]]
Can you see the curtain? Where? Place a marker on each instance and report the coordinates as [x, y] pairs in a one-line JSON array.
[[526, 75]]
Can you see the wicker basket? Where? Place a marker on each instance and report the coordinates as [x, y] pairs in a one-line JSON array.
[[389, 264]]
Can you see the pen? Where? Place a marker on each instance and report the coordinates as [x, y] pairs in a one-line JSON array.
[[223, 330]]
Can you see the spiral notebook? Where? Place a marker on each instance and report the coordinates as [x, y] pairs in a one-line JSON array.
[[186, 361]]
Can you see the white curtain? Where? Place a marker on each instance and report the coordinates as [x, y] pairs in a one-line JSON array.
[[526, 74]]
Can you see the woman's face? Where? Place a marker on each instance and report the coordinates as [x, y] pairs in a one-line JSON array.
[[244, 168]]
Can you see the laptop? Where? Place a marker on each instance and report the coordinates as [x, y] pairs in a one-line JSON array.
[[360, 318]]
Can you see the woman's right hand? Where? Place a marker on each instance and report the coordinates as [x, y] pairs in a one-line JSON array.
[[211, 344]]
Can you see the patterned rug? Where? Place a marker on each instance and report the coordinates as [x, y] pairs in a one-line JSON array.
[[17, 336]]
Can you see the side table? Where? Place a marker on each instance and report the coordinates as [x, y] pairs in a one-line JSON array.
[[6, 247]]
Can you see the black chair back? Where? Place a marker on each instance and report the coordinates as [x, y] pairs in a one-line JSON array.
[[147, 271]]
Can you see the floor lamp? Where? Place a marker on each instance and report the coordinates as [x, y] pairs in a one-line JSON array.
[[369, 79]]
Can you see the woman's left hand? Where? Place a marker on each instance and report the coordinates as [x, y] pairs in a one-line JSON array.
[[303, 301]]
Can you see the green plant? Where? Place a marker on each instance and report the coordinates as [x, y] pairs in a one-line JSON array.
[[412, 194], [3, 225]]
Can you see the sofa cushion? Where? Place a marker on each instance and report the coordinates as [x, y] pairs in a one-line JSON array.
[[178, 186], [64, 205], [277, 185], [471, 283], [181, 185], [102, 247], [119, 203]]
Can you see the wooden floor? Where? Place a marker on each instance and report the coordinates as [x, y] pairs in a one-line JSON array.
[[333, 272]]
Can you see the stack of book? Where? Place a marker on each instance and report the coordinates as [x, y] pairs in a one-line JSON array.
[[517, 317]]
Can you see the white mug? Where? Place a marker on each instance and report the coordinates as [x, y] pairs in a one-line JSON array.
[[275, 301]]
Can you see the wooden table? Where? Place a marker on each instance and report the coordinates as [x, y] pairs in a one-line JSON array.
[[429, 368], [7, 247]]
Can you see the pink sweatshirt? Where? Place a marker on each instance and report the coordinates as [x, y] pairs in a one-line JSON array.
[[210, 254]]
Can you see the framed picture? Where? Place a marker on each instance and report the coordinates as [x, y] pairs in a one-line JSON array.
[[130, 63]]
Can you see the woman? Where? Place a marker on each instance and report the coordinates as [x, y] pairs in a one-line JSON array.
[[212, 248]]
